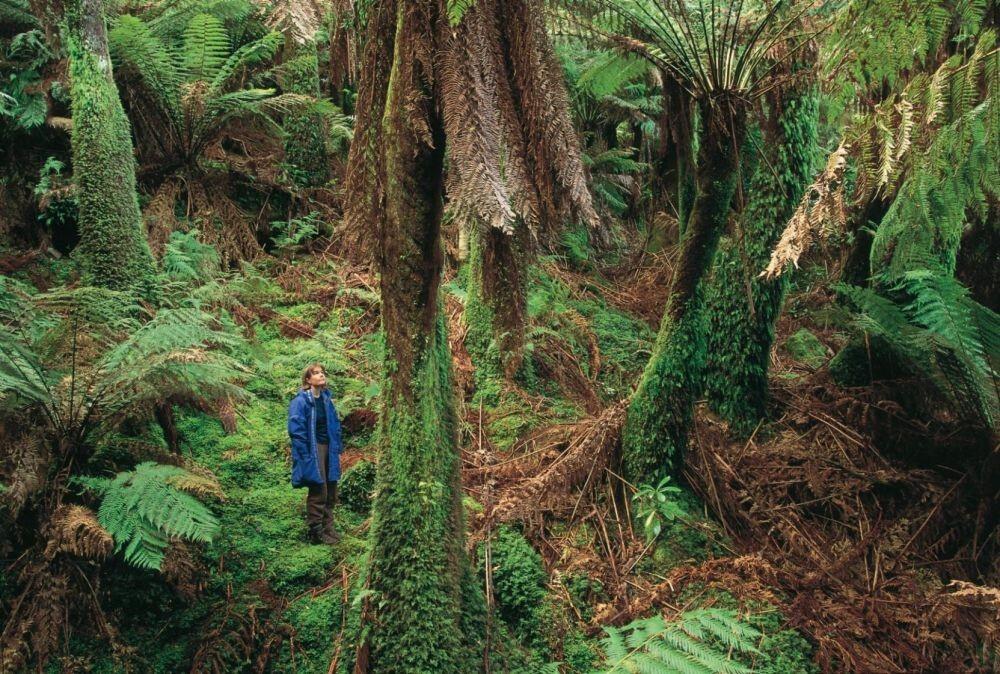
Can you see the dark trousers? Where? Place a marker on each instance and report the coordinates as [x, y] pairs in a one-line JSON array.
[[321, 497]]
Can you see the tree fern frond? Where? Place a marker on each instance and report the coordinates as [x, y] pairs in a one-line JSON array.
[[243, 59], [21, 374], [199, 485], [135, 49], [940, 304], [17, 13], [697, 642], [299, 19], [457, 9], [74, 530], [142, 510], [206, 47]]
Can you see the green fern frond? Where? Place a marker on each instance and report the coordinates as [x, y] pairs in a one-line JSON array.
[[143, 511], [185, 258], [206, 47], [702, 641], [22, 375], [243, 59], [608, 73], [17, 13], [218, 110], [934, 325], [135, 49], [457, 9], [178, 353]]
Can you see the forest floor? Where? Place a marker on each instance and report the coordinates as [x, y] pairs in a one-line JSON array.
[[834, 549]]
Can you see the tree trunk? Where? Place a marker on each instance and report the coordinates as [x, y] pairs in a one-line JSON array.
[[496, 302], [673, 168], [659, 414], [741, 308], [113, 248], [426, 617], [305, 148]]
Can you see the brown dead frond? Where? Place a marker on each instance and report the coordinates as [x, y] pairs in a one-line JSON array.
[[821, 210], [23, 462], [198, 481], [241, 634], [74, 530], [160, 215], [580, 468], [858, 542], [184, 570], [38, 617]]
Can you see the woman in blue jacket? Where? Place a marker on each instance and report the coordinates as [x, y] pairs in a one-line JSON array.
[[315, 431]]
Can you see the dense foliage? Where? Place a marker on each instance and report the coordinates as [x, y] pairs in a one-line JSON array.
[[662, 335]]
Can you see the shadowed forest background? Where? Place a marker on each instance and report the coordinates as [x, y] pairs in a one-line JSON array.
[[663, 335]]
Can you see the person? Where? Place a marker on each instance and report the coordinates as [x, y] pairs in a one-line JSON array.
[[315, 432]]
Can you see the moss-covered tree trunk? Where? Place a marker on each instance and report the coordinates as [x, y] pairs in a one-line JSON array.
[[426, 617], [741, 307], [659, 413], [113, 249], [305, 148], [496, 300]]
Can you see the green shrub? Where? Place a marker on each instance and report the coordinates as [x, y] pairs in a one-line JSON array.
[[518, 583], [356, 486]]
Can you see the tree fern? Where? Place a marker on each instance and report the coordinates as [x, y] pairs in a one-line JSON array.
[[75, 356], [206, 47], [700, 641], [145, 508]]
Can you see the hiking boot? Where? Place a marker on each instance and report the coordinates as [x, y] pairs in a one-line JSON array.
[[315, 536], [329, 536]]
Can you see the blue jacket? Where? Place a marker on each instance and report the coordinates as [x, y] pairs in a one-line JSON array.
[[302, 429]]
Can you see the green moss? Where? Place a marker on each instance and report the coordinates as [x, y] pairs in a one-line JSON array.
[[519, 581], [113, 250], [740, 334], [580, 654], [861, 362], [316, 620], [417, 574], [659, 414], [356, 486], [806, 348], [782, 650], [585, 593], [307, 312]]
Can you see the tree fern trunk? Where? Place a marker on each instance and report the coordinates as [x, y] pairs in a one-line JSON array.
[[674, 176], [496, 302], [305, 149], [419, 570], [659, 414], [741, 308], [113, 249]]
